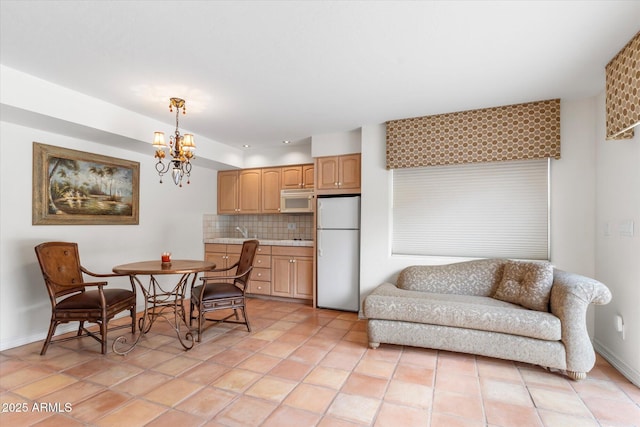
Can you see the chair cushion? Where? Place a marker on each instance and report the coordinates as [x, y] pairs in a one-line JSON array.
[[216, 291], [91, 299]]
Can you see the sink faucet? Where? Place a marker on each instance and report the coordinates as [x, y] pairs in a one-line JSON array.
[[243, 231]]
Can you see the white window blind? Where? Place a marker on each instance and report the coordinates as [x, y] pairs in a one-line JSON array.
[[497, 209]]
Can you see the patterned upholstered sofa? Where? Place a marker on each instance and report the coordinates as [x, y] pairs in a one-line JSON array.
[[522, 311]]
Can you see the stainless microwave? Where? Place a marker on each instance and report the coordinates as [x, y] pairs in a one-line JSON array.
[[297, 201]]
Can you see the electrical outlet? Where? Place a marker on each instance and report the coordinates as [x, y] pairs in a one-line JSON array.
[[291, 226]]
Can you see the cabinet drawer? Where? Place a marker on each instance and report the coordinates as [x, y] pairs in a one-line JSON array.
[[234, 249], [215, 247], [258, 287], [261, 274], [264, 250], [263, 261], [292, 251]]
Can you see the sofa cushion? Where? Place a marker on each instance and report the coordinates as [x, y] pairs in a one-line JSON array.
[[477, 277], [527, 284], [388, 302]]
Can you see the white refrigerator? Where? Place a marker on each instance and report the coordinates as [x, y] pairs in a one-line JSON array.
[[338, 257]]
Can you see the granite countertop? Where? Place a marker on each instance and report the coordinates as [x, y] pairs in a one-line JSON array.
[[271, 242]]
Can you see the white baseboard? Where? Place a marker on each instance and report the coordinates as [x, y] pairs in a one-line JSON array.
[[626, 370]]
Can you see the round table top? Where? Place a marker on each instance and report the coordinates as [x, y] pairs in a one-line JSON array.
[[176, 266]]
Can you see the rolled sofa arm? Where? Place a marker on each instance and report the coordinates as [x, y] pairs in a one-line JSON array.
[[571, 295]]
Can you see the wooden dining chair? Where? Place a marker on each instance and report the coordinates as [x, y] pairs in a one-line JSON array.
[[224, 292], [75, 300]]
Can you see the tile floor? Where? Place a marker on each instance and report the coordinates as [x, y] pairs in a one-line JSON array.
[[298, 367]]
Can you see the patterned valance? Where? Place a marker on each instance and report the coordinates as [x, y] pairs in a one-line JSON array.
[[514, 132], [623, 91]]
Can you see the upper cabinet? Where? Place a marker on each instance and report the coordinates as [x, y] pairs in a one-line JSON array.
[[255, 191], [271, 178], [297, 176], [338, 174], [239, 192]]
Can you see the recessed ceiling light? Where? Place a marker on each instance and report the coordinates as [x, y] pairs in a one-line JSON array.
[[246, 146], [286, 141]]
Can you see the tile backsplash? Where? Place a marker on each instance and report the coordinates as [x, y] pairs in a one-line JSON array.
[[272, 227]]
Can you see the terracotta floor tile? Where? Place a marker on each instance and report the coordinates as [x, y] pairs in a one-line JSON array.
[[177, 365], [98, 405], [461, 405], [311, 398], [396, 415], [205, 373], [463, 384], [414, 374], [557, 400], [354, 408], [598, 388], [286, 416], [231, 357], [19, 411], [555, 419], [447, 420], [260, 363], [246, 411], [505, 414], [133, 414], [24, 376], [148, 359], [236, 380], [58, 420], [357, 336], [409, 394], [506, 392], [614, 412], [269, 335], [173, 418], [207, 402], [386, 353], [271, 388], [500, 369], [457, 363], [330, 421], [311, 355], [45, 386], [540, 377], [375, 368], [340, 360], [291, 370], [114, 374], [427, 358], [73, 393], [327, 377], [142, 383], [173, 392], [279, 349], [365, 385]]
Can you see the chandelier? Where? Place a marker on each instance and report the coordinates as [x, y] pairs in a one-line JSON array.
[[181, 149]]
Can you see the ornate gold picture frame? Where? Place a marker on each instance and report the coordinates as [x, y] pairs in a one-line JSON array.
[[73, 187]]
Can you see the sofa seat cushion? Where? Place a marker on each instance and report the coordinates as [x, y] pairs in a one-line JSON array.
[[388, 302]]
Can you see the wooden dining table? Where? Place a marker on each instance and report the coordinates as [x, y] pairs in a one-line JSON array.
[[162, 300]]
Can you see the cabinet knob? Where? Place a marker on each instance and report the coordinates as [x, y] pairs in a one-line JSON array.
[[259, 274]]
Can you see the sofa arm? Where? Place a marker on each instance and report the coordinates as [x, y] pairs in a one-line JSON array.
[[571, 295]]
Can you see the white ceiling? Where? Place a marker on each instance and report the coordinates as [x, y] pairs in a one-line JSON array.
[[259, 72]]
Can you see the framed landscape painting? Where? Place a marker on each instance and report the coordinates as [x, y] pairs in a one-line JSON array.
[[73, 187]]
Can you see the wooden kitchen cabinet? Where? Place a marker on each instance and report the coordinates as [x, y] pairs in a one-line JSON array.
[[228, 192], [271, 179], [297, 176], [239, 192], [222, 255], [292, 272], [338, 174]]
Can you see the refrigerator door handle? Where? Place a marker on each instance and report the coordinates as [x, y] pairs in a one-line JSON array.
[[319, 244], [319, 218]]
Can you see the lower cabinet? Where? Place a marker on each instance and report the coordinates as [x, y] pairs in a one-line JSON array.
[[292, 272], [281, 271]]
